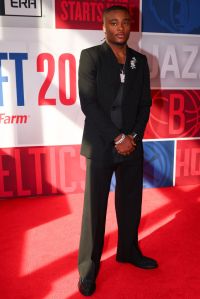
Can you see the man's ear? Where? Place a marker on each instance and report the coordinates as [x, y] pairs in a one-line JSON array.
[[104, 29]]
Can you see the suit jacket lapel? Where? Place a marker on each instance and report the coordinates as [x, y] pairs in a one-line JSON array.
[[111, 69], [130, 72], [110, 61]]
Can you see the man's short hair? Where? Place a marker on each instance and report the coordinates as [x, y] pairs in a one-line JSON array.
[[113, 8]]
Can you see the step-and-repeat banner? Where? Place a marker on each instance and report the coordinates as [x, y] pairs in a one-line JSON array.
[[40, 118]]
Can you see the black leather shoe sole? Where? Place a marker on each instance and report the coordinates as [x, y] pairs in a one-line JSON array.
[[86, 287], [143, 262]]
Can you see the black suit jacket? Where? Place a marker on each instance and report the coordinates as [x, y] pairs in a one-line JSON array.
[[99, 81]]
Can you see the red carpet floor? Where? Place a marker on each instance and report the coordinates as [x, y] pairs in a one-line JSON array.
[[39, 241]]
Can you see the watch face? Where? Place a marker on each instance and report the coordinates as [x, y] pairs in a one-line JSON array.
[[136, 138]]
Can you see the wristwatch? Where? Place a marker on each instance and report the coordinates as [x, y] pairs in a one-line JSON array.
[[136, 137]]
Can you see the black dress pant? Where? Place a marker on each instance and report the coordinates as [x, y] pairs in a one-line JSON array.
[[128, 200]]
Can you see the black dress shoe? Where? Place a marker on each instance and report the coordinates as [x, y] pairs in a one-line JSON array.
[[86, 286], [143, 262]]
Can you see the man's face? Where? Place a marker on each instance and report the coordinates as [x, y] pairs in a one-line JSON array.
[[117, 27]]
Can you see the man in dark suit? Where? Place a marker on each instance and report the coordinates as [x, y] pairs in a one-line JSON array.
[[114, 91]]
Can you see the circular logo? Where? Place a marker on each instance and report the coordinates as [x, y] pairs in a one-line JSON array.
[[158, 164], [174, 113], [176, 15]]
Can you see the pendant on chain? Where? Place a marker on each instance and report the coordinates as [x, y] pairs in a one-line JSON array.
[[122, 77]]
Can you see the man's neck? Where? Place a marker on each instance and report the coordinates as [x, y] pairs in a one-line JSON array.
[[119, 51]]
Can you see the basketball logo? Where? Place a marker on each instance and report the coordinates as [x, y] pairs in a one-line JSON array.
[[158, 164], [174, 114], [176, 16]]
